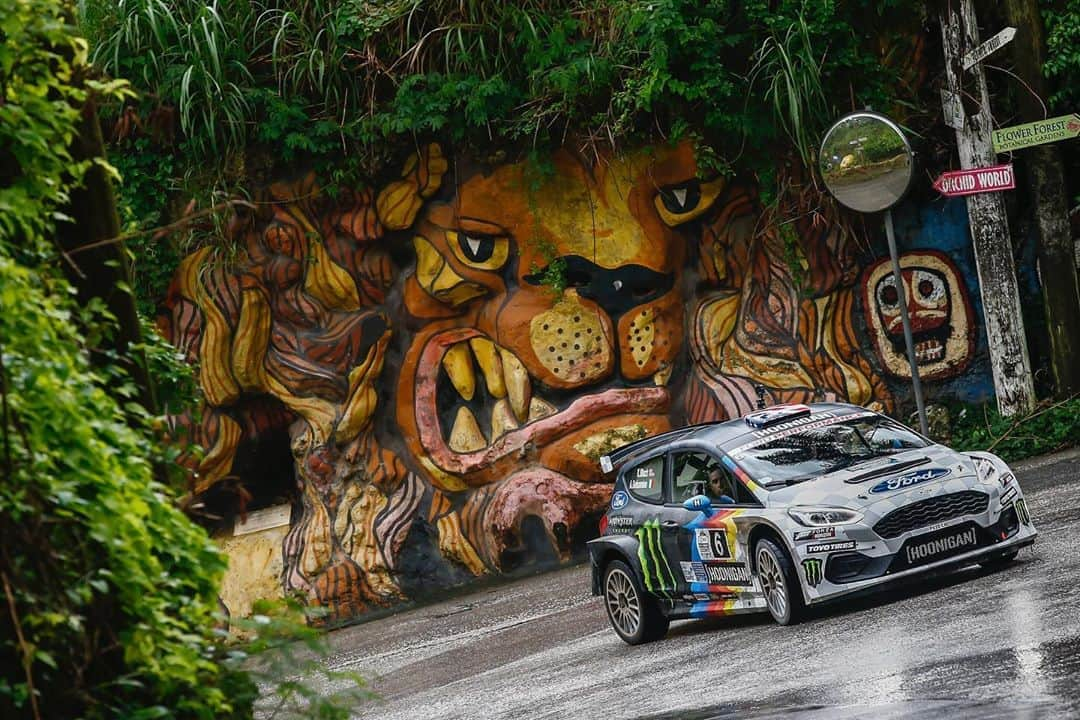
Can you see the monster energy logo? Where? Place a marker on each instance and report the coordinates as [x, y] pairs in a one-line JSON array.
[[1021, 512], [654, 565], [812, 568]]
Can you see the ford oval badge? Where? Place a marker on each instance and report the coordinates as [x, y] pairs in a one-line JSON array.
[[619, 500], [902, 482]]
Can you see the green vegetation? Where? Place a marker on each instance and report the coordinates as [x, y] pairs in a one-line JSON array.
[[109, 592], [1062, 64], [1050, 427], [230, 93]]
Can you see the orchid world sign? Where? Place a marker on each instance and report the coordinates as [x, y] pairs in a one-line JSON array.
[[977, 180], [1039, 132]]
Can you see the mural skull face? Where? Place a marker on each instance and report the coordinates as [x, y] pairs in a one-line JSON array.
[[507, 373], [942, 324]]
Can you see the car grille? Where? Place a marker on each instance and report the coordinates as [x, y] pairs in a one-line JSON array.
[[934, 510]]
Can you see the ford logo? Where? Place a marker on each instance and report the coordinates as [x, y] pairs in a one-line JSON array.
[[910, 479], [619, 500]]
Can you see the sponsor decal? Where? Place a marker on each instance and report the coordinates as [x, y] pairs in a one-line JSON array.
[[1022, 511], [620, 525], [831, 547], [910, 479], [815, 534], [1008, 497], [654, 565], [702, 596], [944, 545], [728, 574], [798, 423], [812, 568], [712, 544], [694, 572], [619, 500]]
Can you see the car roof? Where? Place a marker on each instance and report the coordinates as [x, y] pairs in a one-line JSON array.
[[724, 435]]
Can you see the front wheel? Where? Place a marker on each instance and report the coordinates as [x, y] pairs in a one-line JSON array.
[[634, 616], [779, 583]]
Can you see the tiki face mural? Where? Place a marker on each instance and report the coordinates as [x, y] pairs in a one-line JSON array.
[[547, 316], [511, 390], [942, 323]]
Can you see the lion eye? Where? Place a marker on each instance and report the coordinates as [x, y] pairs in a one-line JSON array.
[[477, 248], [681, 198]]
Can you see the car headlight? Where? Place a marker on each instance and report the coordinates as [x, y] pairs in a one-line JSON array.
[[988, 470], [822, 516]]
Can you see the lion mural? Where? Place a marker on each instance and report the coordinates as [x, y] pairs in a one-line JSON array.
[[453, 407]]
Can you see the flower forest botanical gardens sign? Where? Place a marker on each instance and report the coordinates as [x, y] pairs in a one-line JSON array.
[[1039, 132], [978, 180]]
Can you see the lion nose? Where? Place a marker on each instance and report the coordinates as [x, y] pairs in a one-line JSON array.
[[616, 290]]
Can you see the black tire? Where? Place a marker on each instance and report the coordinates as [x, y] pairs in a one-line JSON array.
[[634, 614], [999, 561], [779, 582]]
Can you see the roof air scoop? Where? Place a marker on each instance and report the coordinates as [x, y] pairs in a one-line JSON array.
[[775, 414]]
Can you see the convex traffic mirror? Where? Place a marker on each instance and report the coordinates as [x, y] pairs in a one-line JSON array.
[[866, 162]]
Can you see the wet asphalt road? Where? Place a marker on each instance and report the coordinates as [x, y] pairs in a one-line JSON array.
[[974, 644]]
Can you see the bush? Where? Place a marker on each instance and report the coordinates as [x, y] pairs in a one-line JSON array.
[[1050, 427], [109, 593]]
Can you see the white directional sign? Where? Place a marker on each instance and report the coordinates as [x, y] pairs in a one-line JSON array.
[[989, 47]]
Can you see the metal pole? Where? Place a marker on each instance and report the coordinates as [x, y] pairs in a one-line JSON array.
[[916, 386]]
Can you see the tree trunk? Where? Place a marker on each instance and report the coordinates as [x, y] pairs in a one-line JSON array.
[[1057, 269], [989, 225], [102, 272]]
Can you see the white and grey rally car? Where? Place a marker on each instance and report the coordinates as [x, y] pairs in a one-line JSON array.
[[788, 507]]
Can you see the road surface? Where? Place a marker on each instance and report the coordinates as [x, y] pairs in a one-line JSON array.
[[975, 644]]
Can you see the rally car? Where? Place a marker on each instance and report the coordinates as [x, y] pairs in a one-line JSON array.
[[788, 507]]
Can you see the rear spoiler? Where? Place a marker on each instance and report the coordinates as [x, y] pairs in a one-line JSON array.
[[620, 454]]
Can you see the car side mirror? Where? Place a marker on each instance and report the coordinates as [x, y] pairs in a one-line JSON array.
[[698, 502]]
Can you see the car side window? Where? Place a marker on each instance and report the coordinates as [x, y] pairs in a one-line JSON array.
[[646, 481], [699, 473]]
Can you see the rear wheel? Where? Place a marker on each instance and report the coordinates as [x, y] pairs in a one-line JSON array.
[[1000, 561], [779, 583], [634, 616]]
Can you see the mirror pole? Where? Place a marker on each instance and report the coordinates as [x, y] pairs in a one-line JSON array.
[[905, 318]]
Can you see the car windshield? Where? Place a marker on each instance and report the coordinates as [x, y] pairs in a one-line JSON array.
[[813, 452]]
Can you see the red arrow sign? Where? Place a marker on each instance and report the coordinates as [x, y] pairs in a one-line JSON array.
[[979, 180]]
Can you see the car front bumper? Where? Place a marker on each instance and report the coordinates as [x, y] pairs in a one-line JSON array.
[[858, 559]]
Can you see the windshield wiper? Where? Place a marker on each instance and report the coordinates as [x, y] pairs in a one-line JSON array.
[[790, 481]]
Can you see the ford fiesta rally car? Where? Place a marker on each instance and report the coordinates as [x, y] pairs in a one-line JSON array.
[[788, 507]]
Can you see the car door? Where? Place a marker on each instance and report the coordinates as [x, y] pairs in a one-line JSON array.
[[646, 481], [703, 545]]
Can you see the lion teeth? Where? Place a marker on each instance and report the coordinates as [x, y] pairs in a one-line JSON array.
[[540, 409], [502, 420], [518, 387], [660, 379], [487, 357], [459, 366], [465, 435]]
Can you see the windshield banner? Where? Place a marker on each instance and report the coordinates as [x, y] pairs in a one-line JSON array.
[[795, 427]]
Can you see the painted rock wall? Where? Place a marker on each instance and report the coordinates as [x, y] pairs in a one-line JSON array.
[[447, 356]]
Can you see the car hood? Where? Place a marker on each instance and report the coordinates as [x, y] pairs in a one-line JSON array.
[[895, 479]]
